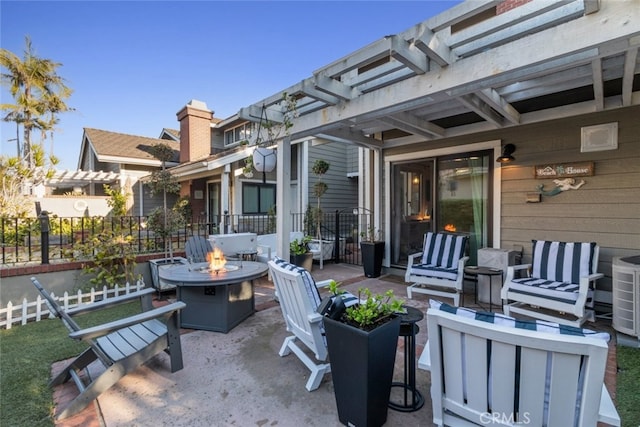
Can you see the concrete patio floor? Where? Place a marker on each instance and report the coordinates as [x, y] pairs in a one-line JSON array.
[[238, 379]]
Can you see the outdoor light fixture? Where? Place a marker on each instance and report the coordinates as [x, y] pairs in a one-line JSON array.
[[506, 155]]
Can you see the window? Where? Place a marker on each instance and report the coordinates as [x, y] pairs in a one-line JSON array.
[[258, 198], [237, 134]]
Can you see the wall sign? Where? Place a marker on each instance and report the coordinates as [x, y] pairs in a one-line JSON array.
[[563, 170]]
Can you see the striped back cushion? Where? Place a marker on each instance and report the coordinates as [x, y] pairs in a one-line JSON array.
[[562, 261], [309, 283], [510, 322], [443, 250]]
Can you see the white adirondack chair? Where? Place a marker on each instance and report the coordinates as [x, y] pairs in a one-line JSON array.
[[489, 374], [299, 298]]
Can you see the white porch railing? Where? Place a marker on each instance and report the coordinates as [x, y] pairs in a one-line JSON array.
[[37, 310]]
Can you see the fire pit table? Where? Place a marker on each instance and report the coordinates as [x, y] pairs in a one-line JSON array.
[[217, 300]]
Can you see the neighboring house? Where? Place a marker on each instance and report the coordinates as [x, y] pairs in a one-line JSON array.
[[212, 159], [128, 156], [431, 109]]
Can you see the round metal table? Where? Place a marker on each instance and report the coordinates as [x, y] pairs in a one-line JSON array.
[[216, 301], [413, 399]]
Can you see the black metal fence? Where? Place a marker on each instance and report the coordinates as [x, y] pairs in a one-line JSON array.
[[41, 239]]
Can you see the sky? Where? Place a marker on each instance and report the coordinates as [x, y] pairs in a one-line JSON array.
[[132, 65]]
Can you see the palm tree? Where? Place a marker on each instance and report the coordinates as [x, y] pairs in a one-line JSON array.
[[38, 91]]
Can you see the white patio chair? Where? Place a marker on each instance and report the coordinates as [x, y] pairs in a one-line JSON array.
[[299, 298], [491, 369], [440, 270], [561, 279]]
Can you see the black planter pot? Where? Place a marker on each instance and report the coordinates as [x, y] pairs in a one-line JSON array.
[[372, 254], [362, 370], [304, 260]]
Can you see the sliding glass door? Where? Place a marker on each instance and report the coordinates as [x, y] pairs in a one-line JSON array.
[[451, 194]]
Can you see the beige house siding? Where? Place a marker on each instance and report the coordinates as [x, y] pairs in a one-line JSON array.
[[605, 210]]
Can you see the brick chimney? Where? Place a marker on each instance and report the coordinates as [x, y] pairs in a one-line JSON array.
[[195, 131]]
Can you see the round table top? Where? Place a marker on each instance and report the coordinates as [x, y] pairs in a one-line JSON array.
[[195, 275], [412, 315], [485, 271]]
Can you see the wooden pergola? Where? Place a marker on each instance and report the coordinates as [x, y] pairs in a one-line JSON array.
[[465, 71]]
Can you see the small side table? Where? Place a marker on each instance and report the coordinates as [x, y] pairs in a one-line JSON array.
[[413, 399], [490, 272]]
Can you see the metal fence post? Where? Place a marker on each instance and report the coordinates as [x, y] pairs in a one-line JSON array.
[[336, 245], [44, 236]]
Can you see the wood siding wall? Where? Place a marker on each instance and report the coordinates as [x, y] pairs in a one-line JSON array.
[[605, 210], [342, 192]]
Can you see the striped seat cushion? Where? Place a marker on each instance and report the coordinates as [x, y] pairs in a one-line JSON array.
[[434, 271], [550, 289], [443, 250]]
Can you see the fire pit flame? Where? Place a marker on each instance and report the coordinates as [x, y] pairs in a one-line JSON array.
[[216, 260]]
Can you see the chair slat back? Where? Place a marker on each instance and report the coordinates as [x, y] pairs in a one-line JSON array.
[[298, 305], [482, 371], [54, 307], [443, 250], [197, 248], [564, 261]]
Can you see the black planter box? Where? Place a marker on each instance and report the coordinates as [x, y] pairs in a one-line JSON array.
[[372, 254], [303, 260], [362, 370]]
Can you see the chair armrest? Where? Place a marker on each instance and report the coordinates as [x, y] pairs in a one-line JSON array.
[[413, 256], [324, 283], [264, 249], [107, 328], [424, 362], [607, 413], [314, 318], [110, 302]]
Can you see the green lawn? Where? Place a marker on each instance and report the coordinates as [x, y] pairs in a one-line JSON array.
[[26, 355], [628, 387]]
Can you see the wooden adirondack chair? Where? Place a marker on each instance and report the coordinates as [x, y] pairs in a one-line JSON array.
[[121, 346], [197, 248], [299, 298], [499, 371]]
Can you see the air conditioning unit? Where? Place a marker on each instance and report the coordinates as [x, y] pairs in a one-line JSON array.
[[495, 258]]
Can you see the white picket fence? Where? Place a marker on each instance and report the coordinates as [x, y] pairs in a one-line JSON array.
[[37, 310]]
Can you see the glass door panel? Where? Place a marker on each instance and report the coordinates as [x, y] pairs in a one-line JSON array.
[[411, 208], [463, 198]]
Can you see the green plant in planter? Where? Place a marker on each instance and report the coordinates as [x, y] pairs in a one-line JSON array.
[[371, 234], [299, 246], [372, 311]]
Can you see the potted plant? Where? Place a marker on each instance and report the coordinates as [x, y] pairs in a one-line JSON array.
[[323, 248], [164, 222], [299, 253], [372, 251], [362, 344]]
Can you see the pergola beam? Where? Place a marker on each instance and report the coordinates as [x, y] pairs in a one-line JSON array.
[[627, 78], [498, 103], [412, 58]]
